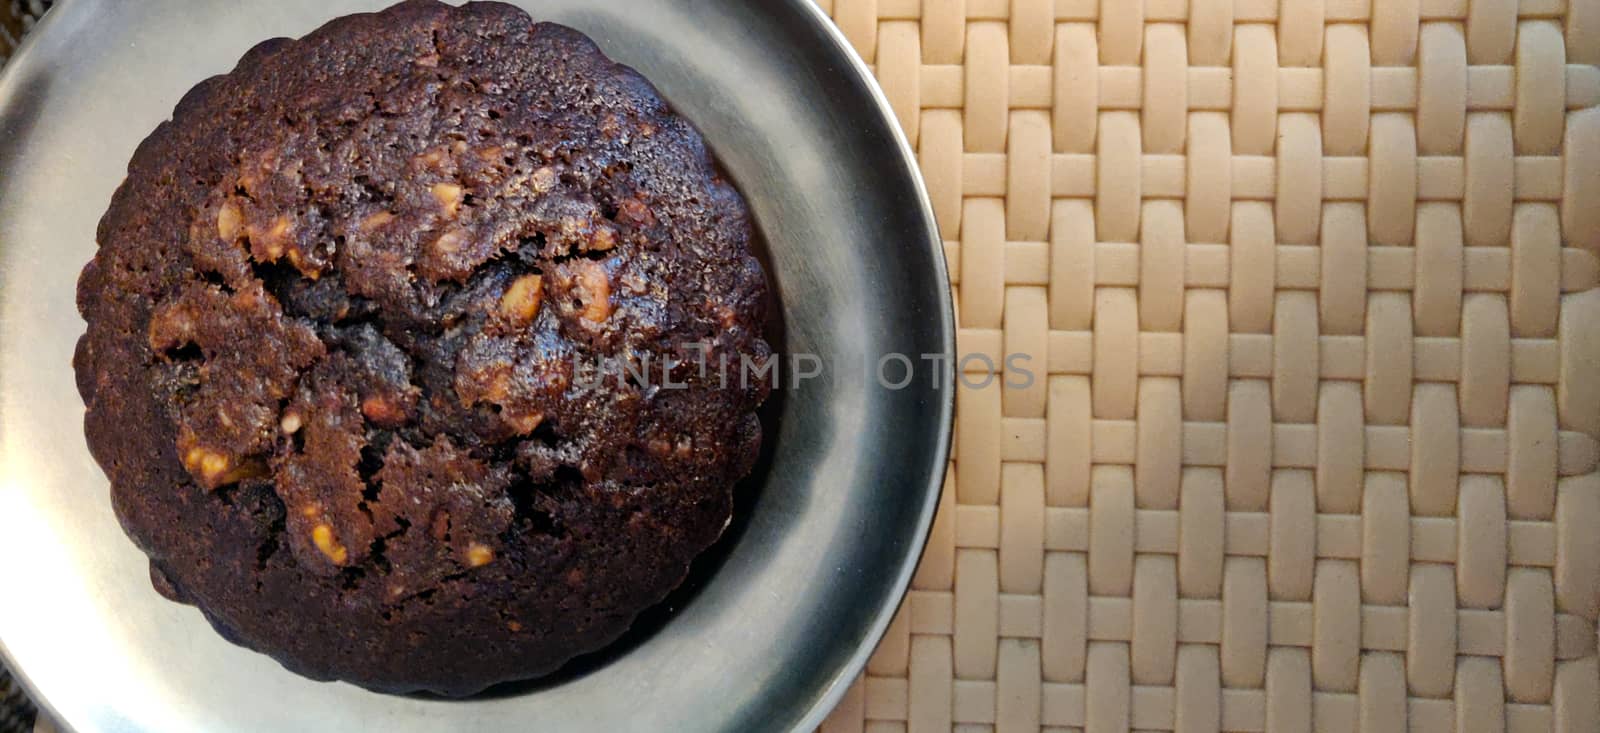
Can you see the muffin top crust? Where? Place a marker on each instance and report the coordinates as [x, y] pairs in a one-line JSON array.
[[392, 348]]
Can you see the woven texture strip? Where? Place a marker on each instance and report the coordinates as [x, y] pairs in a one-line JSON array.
[[1313, 281]]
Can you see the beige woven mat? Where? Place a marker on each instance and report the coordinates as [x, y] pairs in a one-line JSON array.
[[1317, 448]]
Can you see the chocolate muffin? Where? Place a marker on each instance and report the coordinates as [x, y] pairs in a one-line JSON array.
[[395, 345]]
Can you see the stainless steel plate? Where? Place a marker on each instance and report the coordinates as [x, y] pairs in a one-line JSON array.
[[775, 626]]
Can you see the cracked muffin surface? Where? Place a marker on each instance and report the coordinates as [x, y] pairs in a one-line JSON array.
[[392, 348]]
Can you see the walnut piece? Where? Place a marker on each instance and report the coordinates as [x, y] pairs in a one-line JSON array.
[[215, 470], [383, 411], [449, 196], [269, 244], [544, 179], [450, 242], [374, 221]]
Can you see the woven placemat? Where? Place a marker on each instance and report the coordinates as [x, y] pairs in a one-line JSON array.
[[16, 18], [16, 712], [1313, 282]]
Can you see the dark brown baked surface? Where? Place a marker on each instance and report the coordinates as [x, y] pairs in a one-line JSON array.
[[342, 332]]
